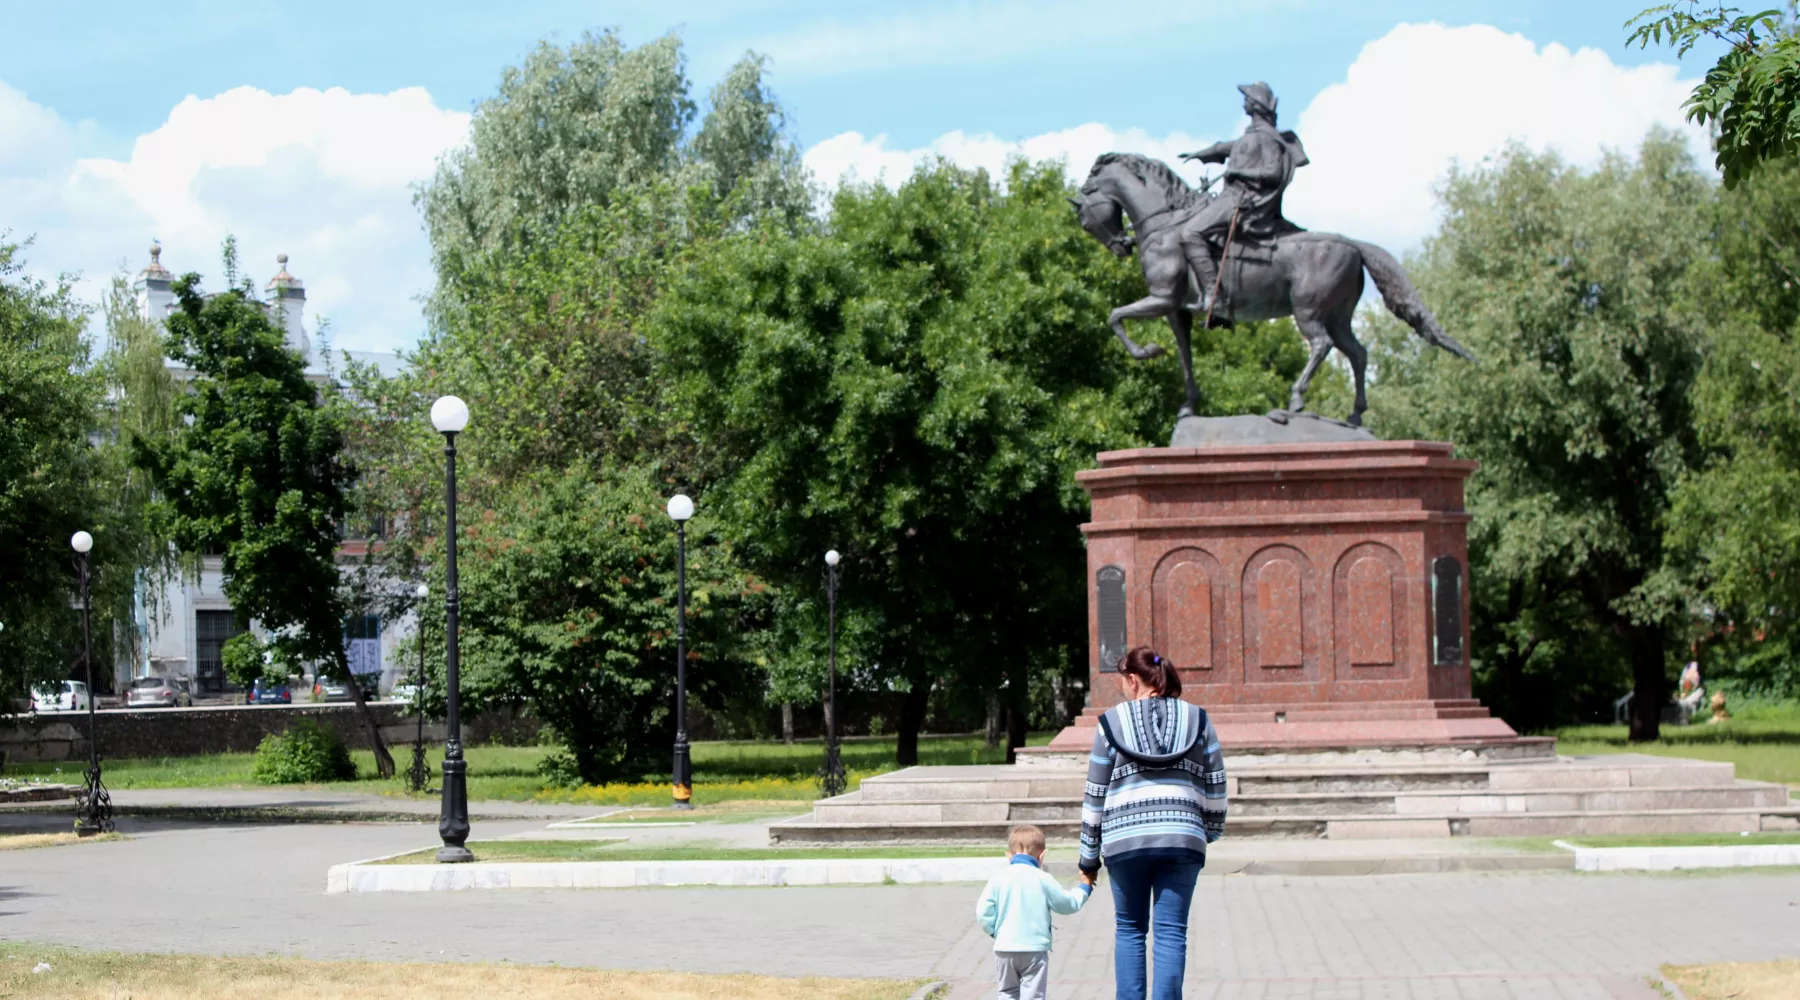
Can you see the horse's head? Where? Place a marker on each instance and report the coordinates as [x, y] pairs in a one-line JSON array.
[[1103, 219]]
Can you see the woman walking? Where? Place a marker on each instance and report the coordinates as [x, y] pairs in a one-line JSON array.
[[1155, 798]]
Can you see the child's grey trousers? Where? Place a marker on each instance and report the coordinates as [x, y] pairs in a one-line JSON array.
[[1023, 975]]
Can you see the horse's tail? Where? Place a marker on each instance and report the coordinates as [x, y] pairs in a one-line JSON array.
[[1402, 299]]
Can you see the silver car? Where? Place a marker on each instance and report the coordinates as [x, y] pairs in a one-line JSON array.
[[160, 692]]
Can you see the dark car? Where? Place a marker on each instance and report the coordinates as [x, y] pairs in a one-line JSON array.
[[268, 692]]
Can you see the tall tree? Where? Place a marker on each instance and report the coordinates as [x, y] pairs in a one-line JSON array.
[[58, 474], [1751, 96], [1738, 516], [916, 386], [254, 470], [1571, 287]]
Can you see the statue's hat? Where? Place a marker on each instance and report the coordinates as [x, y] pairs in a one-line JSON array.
[[1259, 93]]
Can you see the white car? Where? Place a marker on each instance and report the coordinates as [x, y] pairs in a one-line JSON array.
[[60, 696], [405, 693]]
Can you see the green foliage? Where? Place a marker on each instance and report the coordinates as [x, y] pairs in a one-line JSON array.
[[1751, 96], [60, 472], [1571, 289], [560, 769], [308, 752], [1738, 517], [916, 386], [568, 606], [254, 469], [573, 128]]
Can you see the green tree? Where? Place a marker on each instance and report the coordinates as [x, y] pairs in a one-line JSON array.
[[254, 470], [58, 475], [916, 386], [1738, 516], [1751, 96], [568, 607], [1571, 287]]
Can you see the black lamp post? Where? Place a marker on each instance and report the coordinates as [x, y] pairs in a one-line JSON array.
[[832, 776], [93, 810], [450, 415], [419, 774], [680, 509]]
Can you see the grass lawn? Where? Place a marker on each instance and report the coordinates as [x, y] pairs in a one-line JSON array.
[[1738, 980], [26, 841], [1762, 739], [93, 975], [1684, 839], [724, 771], [608, 850]]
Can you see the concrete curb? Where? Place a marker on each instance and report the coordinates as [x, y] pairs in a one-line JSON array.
[[929, 990], [1668, 859], [363, 876]]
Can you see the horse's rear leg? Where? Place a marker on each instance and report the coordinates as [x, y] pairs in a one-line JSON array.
[[1148, 307], [1318, 339], [1343, 335]]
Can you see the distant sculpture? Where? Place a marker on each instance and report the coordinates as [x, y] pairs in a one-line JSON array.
[[1233, 255], [1718, 709], [1690, 694]]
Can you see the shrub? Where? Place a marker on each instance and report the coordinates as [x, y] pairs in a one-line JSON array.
[[306, 752], [560, 770]]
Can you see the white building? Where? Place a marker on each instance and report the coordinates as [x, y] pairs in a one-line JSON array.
[[187, 622]]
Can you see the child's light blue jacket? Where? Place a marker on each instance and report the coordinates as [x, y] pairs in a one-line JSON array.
[[1015, 907]]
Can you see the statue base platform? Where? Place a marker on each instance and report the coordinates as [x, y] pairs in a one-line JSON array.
[[1310, 594]]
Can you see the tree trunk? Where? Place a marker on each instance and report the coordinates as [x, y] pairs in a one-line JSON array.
[[993, 719], [1649, 682], [1015, 732], [384, 761], [912, 718], [787, 723]]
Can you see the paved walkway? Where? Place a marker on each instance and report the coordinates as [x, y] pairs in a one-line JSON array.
[[245, 889]]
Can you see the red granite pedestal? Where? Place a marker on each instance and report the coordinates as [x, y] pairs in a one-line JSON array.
[[1313, 596]]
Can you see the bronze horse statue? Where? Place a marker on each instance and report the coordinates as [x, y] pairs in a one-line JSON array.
[[1317, 278]]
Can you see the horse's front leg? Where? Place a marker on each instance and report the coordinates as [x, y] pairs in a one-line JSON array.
[[1148, 307], [1182, 322]]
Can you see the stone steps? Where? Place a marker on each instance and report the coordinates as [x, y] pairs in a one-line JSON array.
[[1567, 796], [1548, 824]]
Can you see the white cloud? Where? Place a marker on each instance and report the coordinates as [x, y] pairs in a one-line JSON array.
[[854, 157], [1425, 95], [323, 176], [1414, 101]]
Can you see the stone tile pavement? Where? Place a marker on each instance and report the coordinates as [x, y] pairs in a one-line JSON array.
[[245, 889]]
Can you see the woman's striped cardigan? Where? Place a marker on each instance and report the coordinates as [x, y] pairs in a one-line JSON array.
[[1155, 784]]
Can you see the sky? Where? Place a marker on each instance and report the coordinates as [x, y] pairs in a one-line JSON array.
[[302, 128]]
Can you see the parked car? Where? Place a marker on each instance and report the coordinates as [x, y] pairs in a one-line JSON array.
[[406, 693], [60, 696], [269, 692], [167, 692], [330, 689]]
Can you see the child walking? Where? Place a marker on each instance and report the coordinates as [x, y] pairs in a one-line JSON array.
[[1015, 911]]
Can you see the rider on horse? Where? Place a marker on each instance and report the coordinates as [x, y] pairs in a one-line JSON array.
[[1259, 166]]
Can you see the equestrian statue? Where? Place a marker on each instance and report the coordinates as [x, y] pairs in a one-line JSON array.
[[1233, 256]]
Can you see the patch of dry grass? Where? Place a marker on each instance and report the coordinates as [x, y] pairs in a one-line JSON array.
[[111, 976], [1738, 980], [25, 841]]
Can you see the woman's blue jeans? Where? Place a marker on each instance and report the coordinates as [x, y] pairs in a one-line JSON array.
[[1151, 891]]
